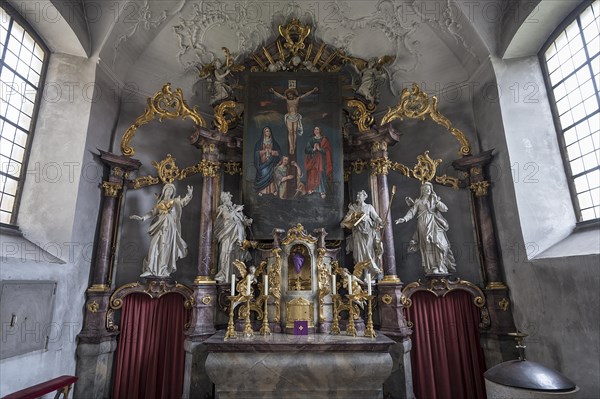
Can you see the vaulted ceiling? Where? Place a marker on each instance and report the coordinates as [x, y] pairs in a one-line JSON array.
[[145, 43]]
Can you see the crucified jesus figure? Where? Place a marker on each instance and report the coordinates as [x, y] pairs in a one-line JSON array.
[[293, 120]]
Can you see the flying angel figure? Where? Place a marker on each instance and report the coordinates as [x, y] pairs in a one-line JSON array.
[[252, 271], [369, 74], [216, 74]]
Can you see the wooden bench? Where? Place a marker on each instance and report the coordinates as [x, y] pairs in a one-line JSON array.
[[62, 385]]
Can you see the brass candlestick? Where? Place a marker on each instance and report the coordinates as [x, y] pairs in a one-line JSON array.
[[351, 329], [335, 326], [265, 330], [248, 332], [369, 331], [231, 334]]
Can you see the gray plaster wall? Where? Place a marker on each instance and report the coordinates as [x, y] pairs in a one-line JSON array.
[[58, 214], [554, 299]]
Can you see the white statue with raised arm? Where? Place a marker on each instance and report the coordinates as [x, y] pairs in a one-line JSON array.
[[365, 240], [166, 244], [230, 231], [430, 237]]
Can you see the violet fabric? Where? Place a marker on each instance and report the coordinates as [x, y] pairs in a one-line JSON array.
[[447, 359], [301, 327], [150, 353], [298, 260]]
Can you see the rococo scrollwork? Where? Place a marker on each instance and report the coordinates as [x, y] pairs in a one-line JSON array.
[[165, 104], [416, 104]]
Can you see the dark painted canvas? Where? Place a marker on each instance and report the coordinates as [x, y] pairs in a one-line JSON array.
[[293, 160]]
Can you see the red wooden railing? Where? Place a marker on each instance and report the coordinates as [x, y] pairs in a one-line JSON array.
[[62, 385]]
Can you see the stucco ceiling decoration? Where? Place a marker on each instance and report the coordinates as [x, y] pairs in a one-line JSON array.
[[447, 21], [191, 33], [339, 30], [143, 18]]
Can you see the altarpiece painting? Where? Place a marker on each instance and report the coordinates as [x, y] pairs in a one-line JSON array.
[[292, 156]]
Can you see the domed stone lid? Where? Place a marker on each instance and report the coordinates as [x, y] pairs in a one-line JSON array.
[[529, 375], [526, 374]]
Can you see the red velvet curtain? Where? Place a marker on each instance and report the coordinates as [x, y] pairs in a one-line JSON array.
[[447, 359], [150, 353]]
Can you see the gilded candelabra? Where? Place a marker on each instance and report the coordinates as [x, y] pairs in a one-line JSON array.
[[265, 329], [335, 326], [248, 332], [351, 329], [231, 334], [369, 330]]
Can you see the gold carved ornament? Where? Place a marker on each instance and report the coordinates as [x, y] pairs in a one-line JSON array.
[[232, 168], [225, 116], [168, 171], [504, 303], [381, 166], [324, 281], [165, 104], [111, 189], [275, 282], [480, 188], [298, 233], [296, 29], [387, 299], [425, 171], [93, 306], [416, 104], [362, 115]]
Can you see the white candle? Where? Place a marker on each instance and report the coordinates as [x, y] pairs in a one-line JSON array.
[[232, 285], [266, 284], [369, 284], [248, 285], [349, 285], [333, 287]]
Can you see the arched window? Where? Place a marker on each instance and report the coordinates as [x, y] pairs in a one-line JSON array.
[[22, 68], [572, 65]]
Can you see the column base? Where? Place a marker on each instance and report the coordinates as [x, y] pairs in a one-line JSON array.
[[94, 369], [391, 314], [202, 323]]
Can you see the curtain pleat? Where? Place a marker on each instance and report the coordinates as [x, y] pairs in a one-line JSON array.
[[447, 359], [150, 352]]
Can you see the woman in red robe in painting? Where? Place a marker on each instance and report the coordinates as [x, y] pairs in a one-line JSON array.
[[317, 162]]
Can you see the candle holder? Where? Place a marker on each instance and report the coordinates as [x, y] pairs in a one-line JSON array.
[[335, 325], [231, 334], [248, 331], [265, 329], [351, 329], [369, 331]]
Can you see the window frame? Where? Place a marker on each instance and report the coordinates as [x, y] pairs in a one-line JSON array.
[[14, 14], [553, 106]]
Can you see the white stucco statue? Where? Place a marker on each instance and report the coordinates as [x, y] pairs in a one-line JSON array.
[[365, 240], [166, 244], [430, 237], [230, 231]]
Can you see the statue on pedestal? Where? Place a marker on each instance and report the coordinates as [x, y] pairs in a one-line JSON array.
[[365, 240], [166, 244], [230, 231], [430, 237]]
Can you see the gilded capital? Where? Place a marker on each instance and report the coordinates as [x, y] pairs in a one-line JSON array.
[[209, 168], [480, 188], [380, 166], [111, 189]]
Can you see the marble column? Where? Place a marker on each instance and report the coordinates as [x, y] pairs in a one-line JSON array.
[[205, 290], [498, 344], [96, 341], [389, 299]]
